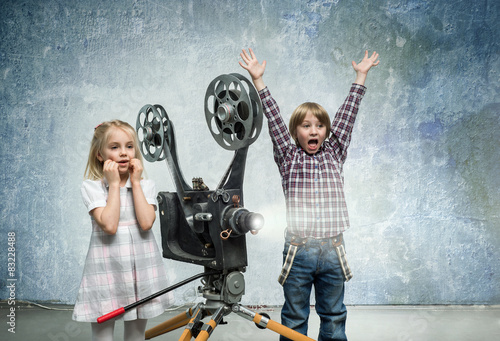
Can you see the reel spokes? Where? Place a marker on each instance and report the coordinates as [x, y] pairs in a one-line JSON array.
[[233, 111], [152, 127]]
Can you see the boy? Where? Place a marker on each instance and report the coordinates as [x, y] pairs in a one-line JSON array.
[[312, 178]]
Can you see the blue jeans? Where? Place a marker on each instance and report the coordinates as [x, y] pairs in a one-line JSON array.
[[316, 263]]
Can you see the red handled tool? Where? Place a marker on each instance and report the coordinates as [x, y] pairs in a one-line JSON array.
[[122, 310]]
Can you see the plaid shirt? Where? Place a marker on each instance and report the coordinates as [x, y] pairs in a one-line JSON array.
[[314, 184]]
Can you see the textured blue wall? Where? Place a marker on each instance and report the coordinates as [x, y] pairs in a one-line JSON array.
[[422, 176]]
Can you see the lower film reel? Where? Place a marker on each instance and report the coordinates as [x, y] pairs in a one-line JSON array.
[[152, 127], [233, 111]]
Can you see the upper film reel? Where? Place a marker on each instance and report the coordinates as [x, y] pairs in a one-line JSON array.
[[233, 111], [152, 128]]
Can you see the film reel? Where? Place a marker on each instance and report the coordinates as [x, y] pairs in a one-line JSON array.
[[233, 111], [152, 128]]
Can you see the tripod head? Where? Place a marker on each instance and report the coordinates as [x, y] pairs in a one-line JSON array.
[[199, 225]]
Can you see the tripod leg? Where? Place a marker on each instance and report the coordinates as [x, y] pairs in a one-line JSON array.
[[208, 328], [269, 324], [285, 331], [197, 316], [175, 322]]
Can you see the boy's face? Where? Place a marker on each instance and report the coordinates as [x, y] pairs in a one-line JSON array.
[[311, 133]]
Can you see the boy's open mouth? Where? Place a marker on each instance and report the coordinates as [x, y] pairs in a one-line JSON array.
[[312, 143]]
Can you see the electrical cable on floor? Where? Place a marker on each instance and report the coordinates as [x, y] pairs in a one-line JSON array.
[[173, 308], [45, 307]]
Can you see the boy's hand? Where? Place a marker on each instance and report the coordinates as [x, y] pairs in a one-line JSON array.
[[135, 171], [254, 68], [364, 66]]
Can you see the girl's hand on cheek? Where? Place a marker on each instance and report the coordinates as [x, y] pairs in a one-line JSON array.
[[111, 173], [135, 170]]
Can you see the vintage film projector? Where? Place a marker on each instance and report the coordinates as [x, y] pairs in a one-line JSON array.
[[203, 226]]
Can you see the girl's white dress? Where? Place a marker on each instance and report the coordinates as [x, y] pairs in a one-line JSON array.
[[123, 268]]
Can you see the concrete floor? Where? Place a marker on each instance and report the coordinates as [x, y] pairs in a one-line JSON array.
[[399, 323]]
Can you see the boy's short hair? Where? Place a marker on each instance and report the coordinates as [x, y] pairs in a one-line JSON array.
[[300, 113]]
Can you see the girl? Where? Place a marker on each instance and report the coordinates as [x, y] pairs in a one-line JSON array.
[[123, 263]]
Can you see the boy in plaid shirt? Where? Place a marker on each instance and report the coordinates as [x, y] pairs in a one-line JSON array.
[[311, 171]]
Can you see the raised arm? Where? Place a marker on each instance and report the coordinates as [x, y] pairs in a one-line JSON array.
[[364, 66], [254, 68]]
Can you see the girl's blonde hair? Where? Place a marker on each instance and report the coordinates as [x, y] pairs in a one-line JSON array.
[[300, 113], [93, 170]]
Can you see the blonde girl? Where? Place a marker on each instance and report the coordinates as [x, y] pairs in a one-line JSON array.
[[123, 263]]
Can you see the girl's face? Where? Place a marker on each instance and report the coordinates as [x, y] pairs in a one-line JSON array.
[[311, 133], [119, 148]]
